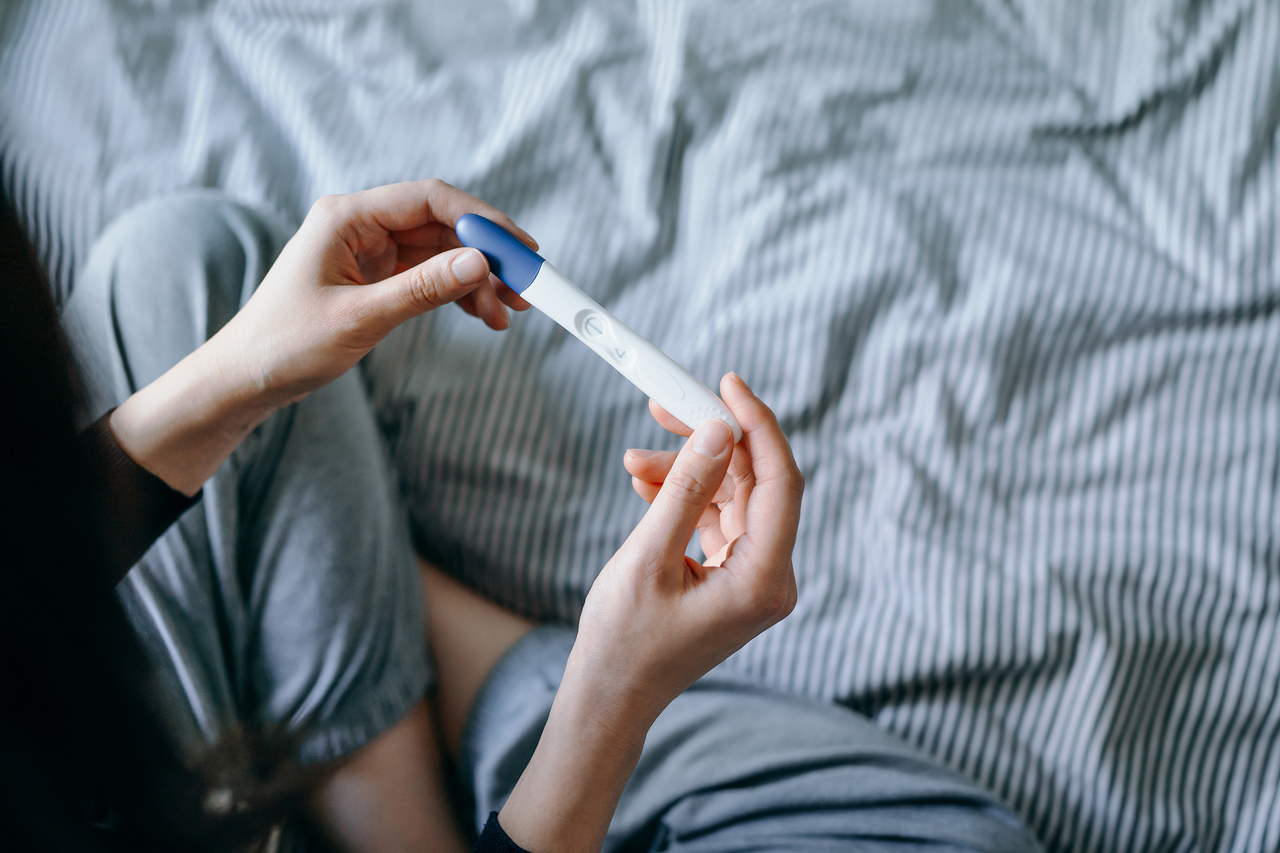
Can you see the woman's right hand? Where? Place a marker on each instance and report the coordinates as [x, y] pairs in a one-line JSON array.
[[655, 620]]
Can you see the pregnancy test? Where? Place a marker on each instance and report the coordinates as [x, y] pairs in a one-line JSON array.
[[644, 365]]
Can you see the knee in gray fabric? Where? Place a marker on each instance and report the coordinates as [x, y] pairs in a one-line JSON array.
[[153, 252], [159, 281], [731, 766]]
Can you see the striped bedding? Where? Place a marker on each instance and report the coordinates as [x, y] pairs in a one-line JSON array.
[[1007, 270]]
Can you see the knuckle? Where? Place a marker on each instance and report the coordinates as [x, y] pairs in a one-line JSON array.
[[426, 287], [433, 189], [325, 208], [692, 485]]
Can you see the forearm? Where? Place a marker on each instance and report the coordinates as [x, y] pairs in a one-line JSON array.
[[186, 423], [565, 799]]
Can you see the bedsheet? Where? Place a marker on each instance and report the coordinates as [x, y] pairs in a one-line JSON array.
[[1007, 272]]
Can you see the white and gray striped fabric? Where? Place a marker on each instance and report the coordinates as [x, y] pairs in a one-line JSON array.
[[1007, 271]]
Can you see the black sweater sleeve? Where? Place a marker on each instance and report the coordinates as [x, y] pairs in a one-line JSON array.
[[136, 505], [494, 840]]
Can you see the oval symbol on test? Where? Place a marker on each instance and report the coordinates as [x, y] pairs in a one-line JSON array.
[[594, 327], [664, 383]]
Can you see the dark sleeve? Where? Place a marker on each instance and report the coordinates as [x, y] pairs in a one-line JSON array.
[[494, 840], [136, 506]]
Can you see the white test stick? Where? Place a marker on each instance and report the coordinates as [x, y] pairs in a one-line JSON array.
[[643, 364]]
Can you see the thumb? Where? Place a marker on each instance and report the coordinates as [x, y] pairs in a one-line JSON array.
[[687, 490], [437, 281]]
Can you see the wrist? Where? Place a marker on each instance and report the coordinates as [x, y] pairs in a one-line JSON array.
[[622, 706], [232, 360], [589, 747], [182, 426]]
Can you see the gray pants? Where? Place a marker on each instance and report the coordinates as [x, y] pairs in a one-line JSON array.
[[288, 596], [730, 766]]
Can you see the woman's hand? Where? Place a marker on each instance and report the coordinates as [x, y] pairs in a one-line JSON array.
[[655, 621], [360, 265], [725, 518]]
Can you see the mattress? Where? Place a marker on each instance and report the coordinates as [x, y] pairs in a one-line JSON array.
[[1006, 271]]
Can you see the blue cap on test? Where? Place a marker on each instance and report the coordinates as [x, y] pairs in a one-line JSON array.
[[509, 259]]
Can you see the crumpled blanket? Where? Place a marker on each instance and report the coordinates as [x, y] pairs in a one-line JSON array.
[[1007, 271]]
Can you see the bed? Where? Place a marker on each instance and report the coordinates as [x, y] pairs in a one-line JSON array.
[[1007, 271]]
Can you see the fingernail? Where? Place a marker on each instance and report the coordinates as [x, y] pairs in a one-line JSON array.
[[641, 453], [469, 266], [743, 383], [712, 438]]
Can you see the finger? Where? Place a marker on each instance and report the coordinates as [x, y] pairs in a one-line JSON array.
[[411, 256], [437, 281], [649, 465], [409, 206], [468, 304], [433, 235], [742, 475], [668, 421], [718, 556], [417, 245], [710, 525], [481, 304], [649, 491], [508, 296], [772, 459], [646, 490], [710, 529], [772, 515], [489, 308], [712, 539], [652, 466], [686, 492]]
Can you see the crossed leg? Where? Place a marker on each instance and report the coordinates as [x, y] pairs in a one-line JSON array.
[[287, 598], [728, 767], [391, 796], [469, 634]]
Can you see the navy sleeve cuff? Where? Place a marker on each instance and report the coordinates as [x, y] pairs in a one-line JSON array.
[[137, 506], [495, 840]]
